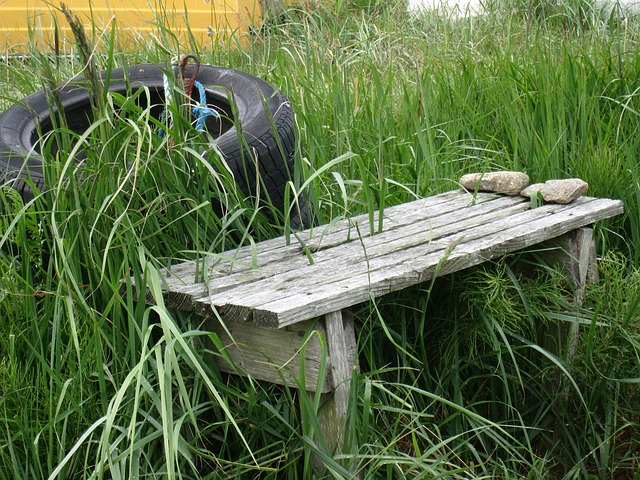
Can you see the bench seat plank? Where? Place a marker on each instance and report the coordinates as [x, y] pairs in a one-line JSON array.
[[286, 264], [275, 284], [182, 278], [189, 280]]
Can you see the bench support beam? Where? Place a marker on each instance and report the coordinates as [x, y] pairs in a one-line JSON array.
[[575, 252], [333, 414], [583, 268], [577, 255]]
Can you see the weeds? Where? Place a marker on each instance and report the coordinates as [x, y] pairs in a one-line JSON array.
[[456, 380]]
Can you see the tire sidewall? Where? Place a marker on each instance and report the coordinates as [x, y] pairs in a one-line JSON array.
[[259, 107]]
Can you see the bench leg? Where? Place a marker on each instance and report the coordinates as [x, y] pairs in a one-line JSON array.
[[584, 270], [332, 416], [333, 410], [577, 256]]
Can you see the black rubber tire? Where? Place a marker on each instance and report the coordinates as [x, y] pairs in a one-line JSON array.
[[269, 133]]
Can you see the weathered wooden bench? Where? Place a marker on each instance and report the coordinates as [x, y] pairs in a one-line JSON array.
[[275, 302]]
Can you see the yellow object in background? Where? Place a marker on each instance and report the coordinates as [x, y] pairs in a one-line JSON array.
[[137, 21]]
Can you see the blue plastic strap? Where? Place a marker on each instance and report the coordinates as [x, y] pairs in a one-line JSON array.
[[201, 111]]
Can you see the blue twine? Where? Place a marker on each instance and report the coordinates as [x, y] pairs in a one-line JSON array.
[[200, 111]]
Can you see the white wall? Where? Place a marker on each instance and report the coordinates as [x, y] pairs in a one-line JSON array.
[[460, 8]]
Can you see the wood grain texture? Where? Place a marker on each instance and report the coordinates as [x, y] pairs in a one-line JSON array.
[[275, 285], [332, 416], [282, 356]]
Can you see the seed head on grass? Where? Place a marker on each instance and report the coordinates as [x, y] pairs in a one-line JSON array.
[[86, 52]]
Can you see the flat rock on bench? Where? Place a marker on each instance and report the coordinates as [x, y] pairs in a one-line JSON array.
[[558, 191], [506, 182]]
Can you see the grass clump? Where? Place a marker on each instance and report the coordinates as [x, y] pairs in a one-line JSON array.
[[457, 378]]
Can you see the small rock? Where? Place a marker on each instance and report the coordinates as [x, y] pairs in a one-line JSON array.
[[509, 183], [558, 191]]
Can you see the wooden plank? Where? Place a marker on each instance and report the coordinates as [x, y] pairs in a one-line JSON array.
[[284, 278], [440, 218], [413, 213], [356, 248], [345, 280], [278, 247], [332, 416], [276, 355], [237, 266]]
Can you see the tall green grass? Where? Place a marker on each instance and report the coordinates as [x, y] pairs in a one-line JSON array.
[[457, 379]]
